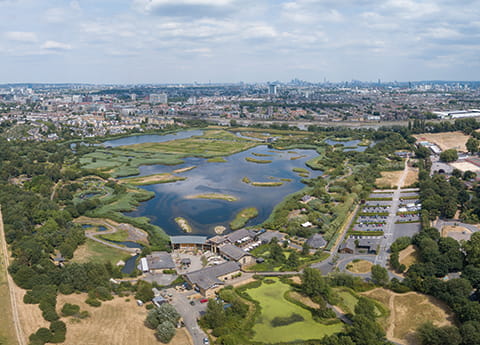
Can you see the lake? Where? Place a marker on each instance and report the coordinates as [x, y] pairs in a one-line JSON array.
[[171, 200]]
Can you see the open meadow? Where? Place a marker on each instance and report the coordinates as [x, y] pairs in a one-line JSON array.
[[116, 322], [446, 141], [408, 311], [274, 305]]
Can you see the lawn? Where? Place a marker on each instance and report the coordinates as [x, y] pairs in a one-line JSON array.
[[389, 179], [93, 251], [448, 140], [119, 236], [273, 304]]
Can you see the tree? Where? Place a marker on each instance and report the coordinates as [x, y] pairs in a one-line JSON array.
[[365, 331], [157, 316], [432, 335], [365, 307], [379, 275], [165, 332], [450, 155], [215, 314], [144, 291], [472, 248], [313, 284], [293, 261], [472, 145]]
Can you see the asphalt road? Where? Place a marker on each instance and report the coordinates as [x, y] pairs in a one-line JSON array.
[[189, 313]]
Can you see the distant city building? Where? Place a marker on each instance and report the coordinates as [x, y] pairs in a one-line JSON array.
[[158, 98], [272, 89]]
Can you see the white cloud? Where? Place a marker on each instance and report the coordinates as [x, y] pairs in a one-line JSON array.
[[56, 46], [21, 36], [185, 8]]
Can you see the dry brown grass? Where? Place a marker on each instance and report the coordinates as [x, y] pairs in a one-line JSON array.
[[411, 178], [389, 179], [116, 322], [449, 140], [303, 299], [361, 266], [30, 315], [408, 256], [408, 311], [465, 166]]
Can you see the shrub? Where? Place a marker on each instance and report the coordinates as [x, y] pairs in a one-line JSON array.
[[70, 309], [58, 329], [93, 302], [44, 334], [165, 332]]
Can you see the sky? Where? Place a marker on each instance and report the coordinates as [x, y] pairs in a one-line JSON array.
[[185, 41]]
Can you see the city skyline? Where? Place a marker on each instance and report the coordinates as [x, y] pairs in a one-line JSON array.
[[185, 41]]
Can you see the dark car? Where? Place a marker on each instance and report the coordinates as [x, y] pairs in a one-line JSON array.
[[192, 302]]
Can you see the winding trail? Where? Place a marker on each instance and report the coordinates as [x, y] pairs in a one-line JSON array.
[[16, 320]]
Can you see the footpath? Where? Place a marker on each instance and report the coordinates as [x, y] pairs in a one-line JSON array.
[[10, 283]]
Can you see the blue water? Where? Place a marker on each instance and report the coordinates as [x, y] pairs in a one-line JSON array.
[[101, 228], [151, 138], [89, 195], [352, 145], [226, 178], [129, 265], [128, 244]]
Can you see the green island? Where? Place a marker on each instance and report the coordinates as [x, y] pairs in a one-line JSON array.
[[217, 160], [267, 184], [243, 217], [261, 154], [153, 179], [258, 161], [245, 179], [183, 224], [213, 196], [300, 170], [297, 157]]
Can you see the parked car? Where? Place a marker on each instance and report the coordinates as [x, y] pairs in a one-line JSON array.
[[192, 302], [205, 341], [204, 300]]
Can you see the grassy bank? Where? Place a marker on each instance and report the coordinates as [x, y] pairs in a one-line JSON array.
[[183, 224], [243, 217], [152, 179], [266, 184]]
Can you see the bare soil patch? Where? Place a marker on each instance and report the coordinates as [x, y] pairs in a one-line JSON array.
[[361, 266], [408, 256], [456, 232], [116, 322], [30, 315], [465, 166], [448, 140], [408, 311]]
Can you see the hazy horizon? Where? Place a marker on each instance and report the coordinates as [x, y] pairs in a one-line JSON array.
[[228, 41]]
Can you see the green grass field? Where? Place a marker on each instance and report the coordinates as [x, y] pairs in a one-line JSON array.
[[119, 236], [93, 251], [258, 161], [273, 304]]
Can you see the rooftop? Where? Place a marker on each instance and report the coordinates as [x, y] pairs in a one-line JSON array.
[[160, 260], [208, 277], [316, 241], [188, 239], [232, 251]]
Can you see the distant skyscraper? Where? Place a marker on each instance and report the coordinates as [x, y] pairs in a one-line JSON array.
[[272, 89], [158, 98]]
